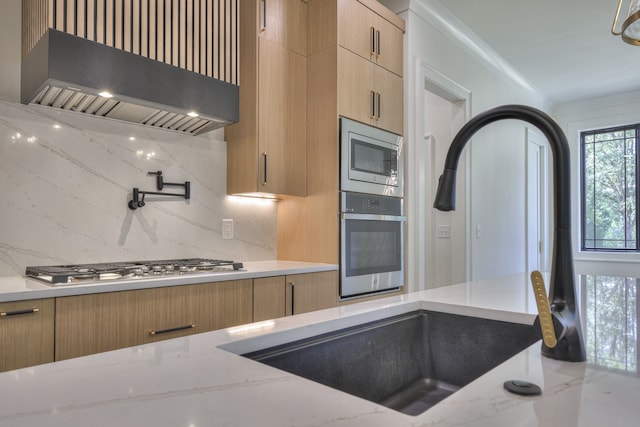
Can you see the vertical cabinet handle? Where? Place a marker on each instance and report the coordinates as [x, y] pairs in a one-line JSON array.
[[264, 164], [18, 312], [293, 297], [378, 105], [377, 43], [263, 21], [373, 41], [373, 104]]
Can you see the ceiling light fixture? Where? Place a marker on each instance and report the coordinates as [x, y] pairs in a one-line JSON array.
[[630, 31]]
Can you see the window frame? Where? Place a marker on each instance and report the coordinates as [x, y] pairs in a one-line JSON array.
[[582, 134]]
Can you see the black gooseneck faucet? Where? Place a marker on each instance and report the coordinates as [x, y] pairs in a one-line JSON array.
[[562, 294]]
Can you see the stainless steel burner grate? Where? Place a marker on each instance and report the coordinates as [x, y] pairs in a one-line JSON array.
[[83, 273]]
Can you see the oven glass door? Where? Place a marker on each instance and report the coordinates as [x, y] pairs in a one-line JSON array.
[[372, 253]]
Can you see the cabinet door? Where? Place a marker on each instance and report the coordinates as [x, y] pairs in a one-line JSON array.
[[389, 52], [355, 86], [222, 304], [267, 147], [26, 333], [355, 26], [313, 291], [284, 22], [269, 298], [389, 87], [367, 34], [282, 122]]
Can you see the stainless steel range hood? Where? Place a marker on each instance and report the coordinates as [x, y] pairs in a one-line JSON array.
[[69, 72]]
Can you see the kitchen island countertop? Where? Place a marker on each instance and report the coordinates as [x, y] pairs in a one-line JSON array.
[[24, 288], [193, 382]]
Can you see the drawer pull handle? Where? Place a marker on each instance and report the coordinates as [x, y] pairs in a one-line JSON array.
[[166, 331], [18, 312]]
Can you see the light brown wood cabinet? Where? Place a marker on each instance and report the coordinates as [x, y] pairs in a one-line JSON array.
[[87, 324], [366, 33], [266, 149], [369, 93], [26, 333], [281, 296], [369, 67], [342, 73]]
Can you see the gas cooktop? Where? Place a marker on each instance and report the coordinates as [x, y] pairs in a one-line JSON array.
[[85, 273]]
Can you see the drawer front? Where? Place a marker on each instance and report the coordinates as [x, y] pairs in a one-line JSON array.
[[26, 333], [89, 324]]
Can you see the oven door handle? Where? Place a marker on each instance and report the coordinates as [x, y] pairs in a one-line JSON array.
[[372, 217]]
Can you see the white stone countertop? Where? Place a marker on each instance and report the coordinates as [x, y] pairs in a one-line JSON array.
[[23, 288], [192, 382]]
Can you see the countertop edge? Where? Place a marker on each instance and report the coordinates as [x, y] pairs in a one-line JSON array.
[[20, 288]]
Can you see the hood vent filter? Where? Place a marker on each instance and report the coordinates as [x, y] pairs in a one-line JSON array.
[[72, 100]]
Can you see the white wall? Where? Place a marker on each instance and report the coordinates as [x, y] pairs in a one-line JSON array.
[[64, 189], [614, 110], [496, 158]]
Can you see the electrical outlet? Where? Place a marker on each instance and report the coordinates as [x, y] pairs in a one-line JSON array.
[[444, 232], [227, 229]]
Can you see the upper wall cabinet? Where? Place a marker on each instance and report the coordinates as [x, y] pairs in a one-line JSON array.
[[369, 93], [369, 35], [369, 66], [266, 149]]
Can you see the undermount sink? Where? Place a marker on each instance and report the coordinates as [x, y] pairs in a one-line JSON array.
[[407, 362]]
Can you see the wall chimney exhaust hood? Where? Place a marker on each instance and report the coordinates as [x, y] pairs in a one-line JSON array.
[[167, 64]]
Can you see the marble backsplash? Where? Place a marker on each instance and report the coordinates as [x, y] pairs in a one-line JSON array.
[[66, 178]]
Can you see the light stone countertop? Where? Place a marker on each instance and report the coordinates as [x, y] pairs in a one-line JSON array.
[[22, 288], [192, 382]]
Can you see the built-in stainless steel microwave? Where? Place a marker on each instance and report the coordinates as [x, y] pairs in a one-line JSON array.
[[371, 159]]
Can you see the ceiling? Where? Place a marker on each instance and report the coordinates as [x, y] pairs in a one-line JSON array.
[[564, 48]]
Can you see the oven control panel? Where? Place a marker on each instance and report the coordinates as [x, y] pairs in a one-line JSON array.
[[372, 204]]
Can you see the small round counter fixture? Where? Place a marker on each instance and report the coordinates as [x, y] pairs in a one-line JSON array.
[[523, 388]]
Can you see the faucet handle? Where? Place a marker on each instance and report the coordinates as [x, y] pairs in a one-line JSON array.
[[544, 312]]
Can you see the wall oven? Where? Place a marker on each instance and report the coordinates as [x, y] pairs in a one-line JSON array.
[[371, 159], [372, 241]]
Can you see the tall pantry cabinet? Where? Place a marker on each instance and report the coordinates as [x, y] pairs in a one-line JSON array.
[[354, 69], [266, 149]]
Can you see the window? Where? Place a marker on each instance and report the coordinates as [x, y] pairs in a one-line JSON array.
[[609, 199]]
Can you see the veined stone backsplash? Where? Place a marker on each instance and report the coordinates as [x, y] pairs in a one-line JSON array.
[[66, 179]]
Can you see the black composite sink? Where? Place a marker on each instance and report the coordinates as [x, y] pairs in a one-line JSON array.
[[408, 362]]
